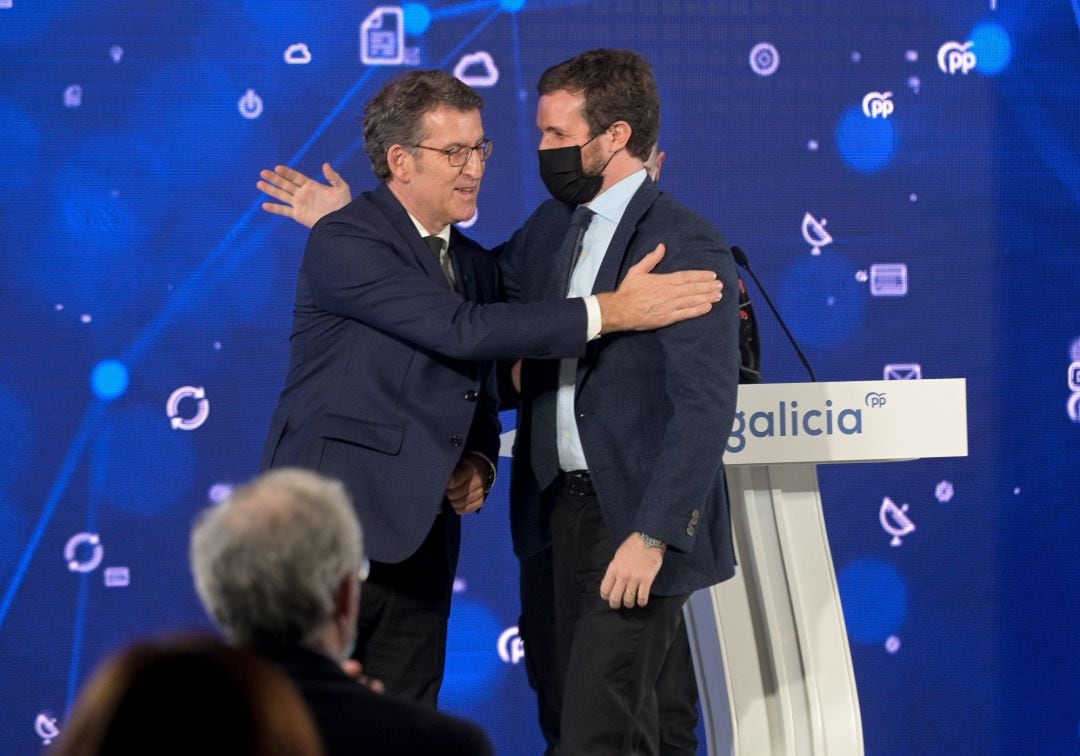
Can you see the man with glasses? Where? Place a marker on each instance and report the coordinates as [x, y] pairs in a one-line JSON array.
[[391, 388]]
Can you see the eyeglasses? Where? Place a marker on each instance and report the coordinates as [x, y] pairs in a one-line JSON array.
[[458, 156]]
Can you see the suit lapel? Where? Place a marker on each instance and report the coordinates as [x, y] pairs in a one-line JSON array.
[[615, 262], [556, 269], [464, 268], [607, 278], [402, 224]]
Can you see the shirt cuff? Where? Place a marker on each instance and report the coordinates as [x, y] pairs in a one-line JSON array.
[[493, 471], [596, 320]]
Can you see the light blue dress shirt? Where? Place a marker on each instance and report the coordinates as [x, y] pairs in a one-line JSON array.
[[609, 207]]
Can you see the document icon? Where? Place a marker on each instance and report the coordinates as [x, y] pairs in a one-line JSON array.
[[903, 371], [382, 37]]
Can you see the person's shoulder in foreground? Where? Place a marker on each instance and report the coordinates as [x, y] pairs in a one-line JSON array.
[[355, 720]]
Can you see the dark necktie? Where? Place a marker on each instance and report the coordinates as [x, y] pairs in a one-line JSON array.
[[442, 256], [544, 451], [575, 237]]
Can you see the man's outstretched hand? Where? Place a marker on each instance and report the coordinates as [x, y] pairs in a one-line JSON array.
[[301, 197], [645, 301]]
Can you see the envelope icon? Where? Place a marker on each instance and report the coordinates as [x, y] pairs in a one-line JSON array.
[[903, 371]]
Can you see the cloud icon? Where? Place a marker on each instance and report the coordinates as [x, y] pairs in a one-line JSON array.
[[487, 78], [298, 53]]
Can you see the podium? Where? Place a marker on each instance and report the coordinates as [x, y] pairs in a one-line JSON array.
[[770, 647]]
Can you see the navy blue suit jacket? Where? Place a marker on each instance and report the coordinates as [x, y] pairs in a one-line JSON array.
[[390, 375], [654, 409], [354, 721]]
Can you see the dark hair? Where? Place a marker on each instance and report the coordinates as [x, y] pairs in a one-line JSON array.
[[395, 115], [193, 695], [618, 86]]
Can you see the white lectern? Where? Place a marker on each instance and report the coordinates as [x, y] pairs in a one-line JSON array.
[[770, 646]]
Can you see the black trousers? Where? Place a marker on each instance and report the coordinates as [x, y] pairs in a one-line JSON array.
[[536, 625], [404, 615], [610, 661]]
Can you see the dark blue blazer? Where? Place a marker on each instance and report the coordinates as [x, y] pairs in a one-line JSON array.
[[354, 721], [390, 377], [654, 409]]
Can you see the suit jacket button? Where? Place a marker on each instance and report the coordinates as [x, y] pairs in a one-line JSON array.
[[690, 530], [456, 440], [470, 396]]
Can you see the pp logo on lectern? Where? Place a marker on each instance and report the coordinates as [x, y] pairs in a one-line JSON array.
[[874, 399]]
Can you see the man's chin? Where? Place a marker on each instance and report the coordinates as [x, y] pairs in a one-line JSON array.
[[465, 216]]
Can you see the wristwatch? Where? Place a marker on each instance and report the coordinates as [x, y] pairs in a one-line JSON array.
[[652, 543]]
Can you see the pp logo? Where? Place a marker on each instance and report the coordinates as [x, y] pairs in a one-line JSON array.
[[172, 407], [511, 646], [874, 399], [953, 57], [878, 105], [764, 59]]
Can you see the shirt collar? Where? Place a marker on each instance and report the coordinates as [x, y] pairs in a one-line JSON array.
[[611, 203], [424, 233]]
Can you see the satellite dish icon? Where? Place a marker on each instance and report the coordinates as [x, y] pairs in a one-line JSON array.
[[895, 521], [814, 232], [46, 729]]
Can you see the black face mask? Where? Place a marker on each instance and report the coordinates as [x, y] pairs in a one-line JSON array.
[[564, 175]]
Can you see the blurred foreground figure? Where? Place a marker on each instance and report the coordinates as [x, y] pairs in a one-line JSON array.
[[191, 696]]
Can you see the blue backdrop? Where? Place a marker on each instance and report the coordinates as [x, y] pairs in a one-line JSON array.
[[905, 177]]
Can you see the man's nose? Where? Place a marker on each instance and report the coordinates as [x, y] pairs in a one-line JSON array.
[[474, 166]]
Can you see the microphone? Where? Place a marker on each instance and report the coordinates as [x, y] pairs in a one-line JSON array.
[[743, 262]]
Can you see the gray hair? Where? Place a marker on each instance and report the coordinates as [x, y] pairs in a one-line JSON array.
[[269, 560], [395, 115]]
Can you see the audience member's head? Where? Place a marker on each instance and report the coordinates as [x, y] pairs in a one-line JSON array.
[[191, 696], [277, 564]]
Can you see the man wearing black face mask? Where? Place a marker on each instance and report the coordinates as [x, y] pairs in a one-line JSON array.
[[618, 455]]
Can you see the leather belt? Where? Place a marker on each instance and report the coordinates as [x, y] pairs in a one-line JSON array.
[[576, 483]]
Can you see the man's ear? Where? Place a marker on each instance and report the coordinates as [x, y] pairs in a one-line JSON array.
[[347, 597], [620, 135], [400, 162]]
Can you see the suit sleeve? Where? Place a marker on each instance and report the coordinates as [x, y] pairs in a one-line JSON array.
[[355, 275], [701, 371]]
